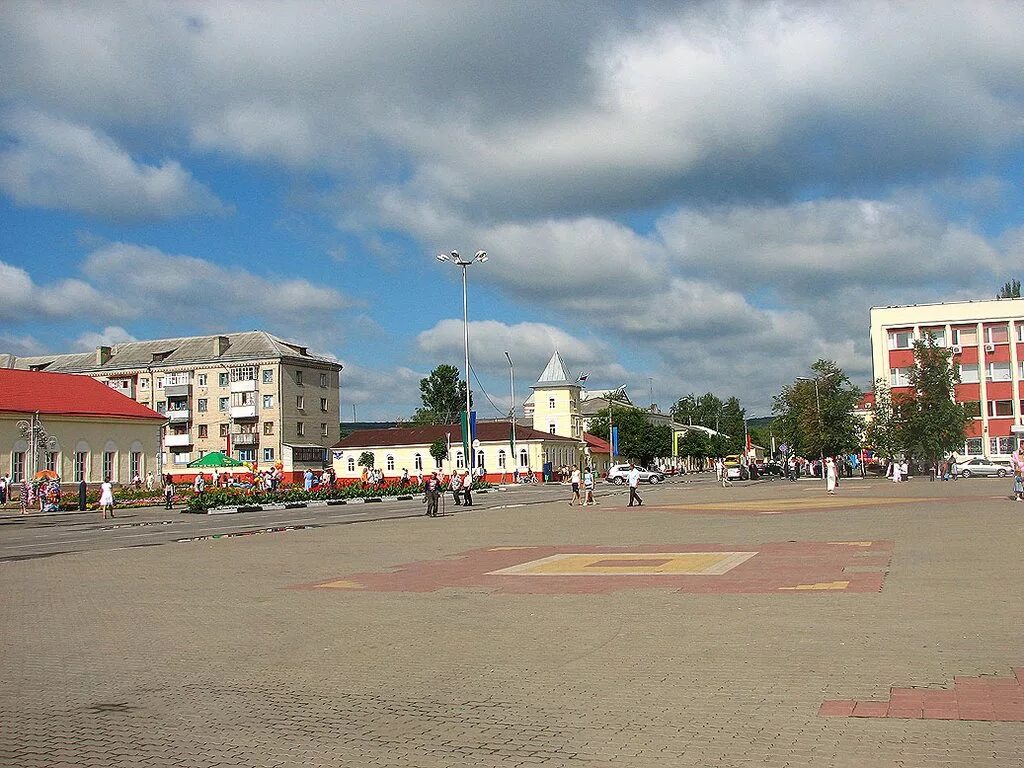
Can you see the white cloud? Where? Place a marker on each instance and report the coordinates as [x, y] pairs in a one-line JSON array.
[[22, 300], [53, 163], [112, 334]]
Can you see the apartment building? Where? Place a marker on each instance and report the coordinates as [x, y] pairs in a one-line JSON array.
[[987, 343], [251, 395]]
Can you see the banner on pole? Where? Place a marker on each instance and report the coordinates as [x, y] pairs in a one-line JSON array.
[[615, 441]]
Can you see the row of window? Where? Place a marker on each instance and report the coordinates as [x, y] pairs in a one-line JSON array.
[[993, 408], [242, 373], [203, 430], [1003, 445], [969, 373], [242, 454], [460, 461], [240, 399], [81, 465], [964, 337]]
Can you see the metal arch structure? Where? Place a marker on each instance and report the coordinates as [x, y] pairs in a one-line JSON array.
[[38, 439]]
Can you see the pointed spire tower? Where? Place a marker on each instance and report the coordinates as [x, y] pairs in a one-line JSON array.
[[556, 401]]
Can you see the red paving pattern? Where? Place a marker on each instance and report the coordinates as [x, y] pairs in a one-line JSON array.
[[972, 698], [774, 568]]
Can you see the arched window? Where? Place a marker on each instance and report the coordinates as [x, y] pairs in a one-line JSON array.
[[351, 463], [551, 403], [524, 458], [480, 459], [460, 461], [438, 463], [501, 459], [391, 463], [417, 462]]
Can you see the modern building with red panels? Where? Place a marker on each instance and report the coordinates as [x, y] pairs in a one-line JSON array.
[[987, 343]]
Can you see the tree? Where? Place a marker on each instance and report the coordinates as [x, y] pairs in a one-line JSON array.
[[833, 428], [704, 411], [695, 445], [439, 450], [443, 395], [732, 424], [884, 434], [639, 439], [1010, 290], [365, 460], [932, 422]]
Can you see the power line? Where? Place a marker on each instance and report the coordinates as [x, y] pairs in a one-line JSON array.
[[486, 396]]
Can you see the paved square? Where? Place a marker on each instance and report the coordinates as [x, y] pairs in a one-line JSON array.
[[878, 635]]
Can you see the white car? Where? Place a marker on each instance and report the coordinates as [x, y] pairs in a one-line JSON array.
[[982, 467], [617, 475]]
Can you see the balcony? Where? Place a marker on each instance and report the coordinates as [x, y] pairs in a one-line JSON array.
[[177, 441], [179, 416], [247, 385], [244, 439], [243, 411], [178, 390]]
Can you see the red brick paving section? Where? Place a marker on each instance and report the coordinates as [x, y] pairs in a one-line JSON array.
[[782, 568], [971, 698]]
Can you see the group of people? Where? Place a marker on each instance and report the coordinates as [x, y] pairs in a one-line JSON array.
[[461, 487], [584, 479]]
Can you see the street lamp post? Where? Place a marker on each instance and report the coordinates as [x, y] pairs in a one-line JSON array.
[[512, 411], [457, 260], [821, 422]]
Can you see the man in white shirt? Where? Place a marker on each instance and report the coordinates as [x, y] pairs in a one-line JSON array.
[[633, 480]]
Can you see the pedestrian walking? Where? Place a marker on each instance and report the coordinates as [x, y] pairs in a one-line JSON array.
[[633, 480], [467, 489], [588, 487], [432, 494], [107, 498], [1018, 473], [27, 496], [455, 486], [830, 476], [168, 495], [574, 480]]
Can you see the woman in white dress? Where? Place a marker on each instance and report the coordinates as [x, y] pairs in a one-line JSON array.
[[830, 476], [107, 498]]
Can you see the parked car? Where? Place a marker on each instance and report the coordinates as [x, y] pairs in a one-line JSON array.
[[734, 468], [982, 467], [617, 475]]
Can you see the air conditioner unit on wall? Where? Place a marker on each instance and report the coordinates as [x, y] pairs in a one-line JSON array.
[[990, 347], [957, 349]]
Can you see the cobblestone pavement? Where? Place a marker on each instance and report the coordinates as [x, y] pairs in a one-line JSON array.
[[205, 654]]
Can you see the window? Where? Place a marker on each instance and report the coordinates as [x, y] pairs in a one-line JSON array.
[[973, 446], [524, 458], [202, 405], [968, 373], [351, 464], [323, 379], [323, 404], [298, 378], [244, 373], [159, 382], [551, 427], [300, 428], [310, 455], [417, 462], [143, 383], [551, 403], [437, 463], [222, 379], [973, 409], [1019, 325], [997, 334], [1000, 408], [201, 379], [222, 404], [268, 375], [501, 459], [17, 466], [51, 461], [81, 463], [966, 337], [998, 371], [268, 454], [161, 406], [178, 378], [247, 454], [204, 430], [1002, 445], [300, 402], [460, 460], [181, 458], [135, 464], [268, 427], [224, 430], [901, 339], [268, 401], [899, 377], [939, 334], [390, 463], [108, 465], [480, 458], [324, 431]]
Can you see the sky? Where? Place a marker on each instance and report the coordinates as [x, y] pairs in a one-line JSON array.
[[677, 196]]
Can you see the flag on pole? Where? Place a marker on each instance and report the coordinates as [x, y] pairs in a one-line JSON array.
[[583, 377]]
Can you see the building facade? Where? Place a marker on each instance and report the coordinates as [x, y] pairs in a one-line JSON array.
[[253, 396], [75, 427], [986, 339]]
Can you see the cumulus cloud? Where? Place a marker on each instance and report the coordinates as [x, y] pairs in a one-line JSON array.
[[23, 300], [112, 334], [53, 163]]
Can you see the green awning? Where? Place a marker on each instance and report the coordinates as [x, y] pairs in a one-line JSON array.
[[216, 459]]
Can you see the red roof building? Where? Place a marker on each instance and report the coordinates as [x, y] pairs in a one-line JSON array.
[[68, 395]]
